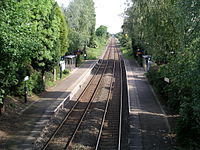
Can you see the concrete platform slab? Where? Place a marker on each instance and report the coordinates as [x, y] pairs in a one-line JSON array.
[[148, 124], [36, 115]]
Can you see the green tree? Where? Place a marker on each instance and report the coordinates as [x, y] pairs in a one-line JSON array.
[[16, 42], [51, 35], [33, 36], [169, 32], [153, 26], [81, 19], [101, 31]]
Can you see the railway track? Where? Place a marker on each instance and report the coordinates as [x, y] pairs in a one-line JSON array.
[[110, 132], [97, 110]]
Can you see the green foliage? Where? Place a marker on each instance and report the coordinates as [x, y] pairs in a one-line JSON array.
[[64, 30], [95, 53], [189, 123], [15, 41], [81, 19], [36, 83], [101, 31], [152, 26], [127, 53], [34, 34], [93, 42], [51, 34], [123, 39], [169, 32]]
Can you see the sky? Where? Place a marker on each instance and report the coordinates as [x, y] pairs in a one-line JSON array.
[[108, 13]]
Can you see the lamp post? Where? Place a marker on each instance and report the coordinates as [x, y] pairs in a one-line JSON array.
[[85, 56], [84, 51], [25, 89]]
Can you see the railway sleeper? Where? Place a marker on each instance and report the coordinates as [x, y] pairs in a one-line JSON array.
[[105, 140], [109, 134], [108, 147]]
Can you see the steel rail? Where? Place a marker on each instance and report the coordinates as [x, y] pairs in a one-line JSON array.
[[106, 109], [71, 110], [85, 111], [121, 104]]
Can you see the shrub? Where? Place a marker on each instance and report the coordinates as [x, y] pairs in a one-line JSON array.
[[36, 83], [188, 128]]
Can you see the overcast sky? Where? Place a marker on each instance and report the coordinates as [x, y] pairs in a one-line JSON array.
[[107, 13]]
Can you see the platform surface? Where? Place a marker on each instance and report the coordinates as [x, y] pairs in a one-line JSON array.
[[148, 124], [36, 115]]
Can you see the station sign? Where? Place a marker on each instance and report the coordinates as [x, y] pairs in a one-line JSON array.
[[166, 79]]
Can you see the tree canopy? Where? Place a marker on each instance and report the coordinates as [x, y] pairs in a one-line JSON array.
[[82, 19], [101, 31], [168, 30], [33, 37]]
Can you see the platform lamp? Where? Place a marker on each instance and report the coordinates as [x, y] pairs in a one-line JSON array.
[[25, 88], [84, 51]]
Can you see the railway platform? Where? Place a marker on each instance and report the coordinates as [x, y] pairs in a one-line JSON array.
[[37, 114], [148, 125]]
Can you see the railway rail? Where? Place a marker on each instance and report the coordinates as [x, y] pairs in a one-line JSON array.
[[98, 109], [110, 132]]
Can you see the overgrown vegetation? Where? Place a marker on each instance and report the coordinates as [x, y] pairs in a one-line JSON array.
[[82, 19], [95, 53], [32, 40], [169, 32], [98, 43], [34, 36], [125, 44]]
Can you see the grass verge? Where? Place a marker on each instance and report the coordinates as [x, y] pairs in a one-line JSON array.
[[95, 53], [127, 53]]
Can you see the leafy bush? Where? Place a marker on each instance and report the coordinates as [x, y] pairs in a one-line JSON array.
[[156, 78], [36, 83], [94, 53], [33, 33], [81, 19], [66, 72], [189, 125]]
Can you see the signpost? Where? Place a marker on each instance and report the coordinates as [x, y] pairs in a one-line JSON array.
[[166, 79], [85, 56], [25, 88], [62, 67]]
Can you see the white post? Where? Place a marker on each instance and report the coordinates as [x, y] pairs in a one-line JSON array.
[[54, 75]]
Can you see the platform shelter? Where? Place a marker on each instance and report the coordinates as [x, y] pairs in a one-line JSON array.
[[70, 62]]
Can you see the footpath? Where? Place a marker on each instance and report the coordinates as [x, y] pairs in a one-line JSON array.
[[34, 118], [148, 125]]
